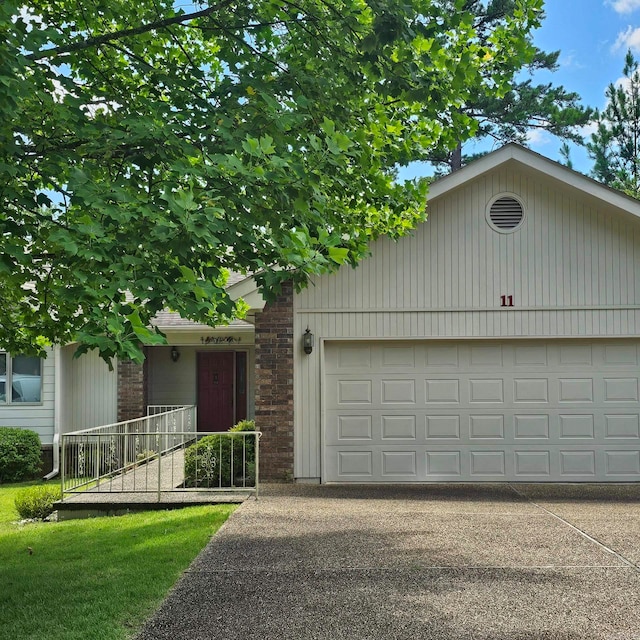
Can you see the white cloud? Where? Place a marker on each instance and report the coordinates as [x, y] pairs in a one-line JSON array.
[[586, 130], [628, 39], [570, 61], [625, 6], [623, 82], [538, 137]]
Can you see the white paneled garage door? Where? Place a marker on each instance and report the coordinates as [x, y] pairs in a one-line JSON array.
[[481, 411]]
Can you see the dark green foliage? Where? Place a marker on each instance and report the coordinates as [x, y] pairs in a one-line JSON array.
[[221, 460], [37, 502], [615, 146], [19, 454]]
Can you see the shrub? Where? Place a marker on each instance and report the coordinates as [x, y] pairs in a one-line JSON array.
[[37, 502], [207, 463], [19, 454]]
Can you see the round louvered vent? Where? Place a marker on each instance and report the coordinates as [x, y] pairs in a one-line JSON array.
[[506, 213]]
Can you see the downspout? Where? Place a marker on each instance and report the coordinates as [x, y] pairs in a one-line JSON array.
[[57, 408]]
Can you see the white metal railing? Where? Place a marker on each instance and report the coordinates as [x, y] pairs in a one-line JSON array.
[[155, 409], [158, 453]]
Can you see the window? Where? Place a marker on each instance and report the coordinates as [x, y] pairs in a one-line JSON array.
[[20, 379]]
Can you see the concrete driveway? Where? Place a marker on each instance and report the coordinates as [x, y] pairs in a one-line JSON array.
[[481, 562]]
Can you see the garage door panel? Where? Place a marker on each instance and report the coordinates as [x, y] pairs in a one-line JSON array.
[[531, 427], [622, 463], [442, 463], [571, 355], [534, 390], [620, 390], [442, 391], [521, 411], [398, 428], [483, 427], [531, 355], [620, 355], [622, 426], [508, 428], [445, 427], [398, 391]]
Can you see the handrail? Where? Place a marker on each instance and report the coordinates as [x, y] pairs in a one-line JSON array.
[[125, 422], [159, 453]]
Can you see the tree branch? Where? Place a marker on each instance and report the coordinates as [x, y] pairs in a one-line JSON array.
[[96, 41]]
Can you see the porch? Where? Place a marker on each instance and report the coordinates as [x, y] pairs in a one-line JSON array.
[[156, 461], [206, 367]]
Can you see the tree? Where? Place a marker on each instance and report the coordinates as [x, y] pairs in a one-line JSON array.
[[615, 146], [147, 149], [526, 106]]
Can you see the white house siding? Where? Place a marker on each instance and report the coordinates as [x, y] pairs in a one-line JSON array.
[[90, 391], [37, 417], [171, 383], [573, 269]]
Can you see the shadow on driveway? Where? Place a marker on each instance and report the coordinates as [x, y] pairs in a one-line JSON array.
[[432, 561]]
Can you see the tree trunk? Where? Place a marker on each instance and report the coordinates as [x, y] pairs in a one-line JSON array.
[[455, 161]]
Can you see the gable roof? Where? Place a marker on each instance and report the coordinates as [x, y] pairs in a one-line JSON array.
[[520, 157], [172, 320]]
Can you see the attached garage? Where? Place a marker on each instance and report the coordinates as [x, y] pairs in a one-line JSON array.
[[531, 410], [498, 342]]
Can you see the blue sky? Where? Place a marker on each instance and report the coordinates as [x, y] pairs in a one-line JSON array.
[[593, 37]]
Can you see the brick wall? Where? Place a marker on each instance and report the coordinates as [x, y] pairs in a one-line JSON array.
[[132, 398], [274, 386]]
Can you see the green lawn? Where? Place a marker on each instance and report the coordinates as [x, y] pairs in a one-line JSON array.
[[98, 578]]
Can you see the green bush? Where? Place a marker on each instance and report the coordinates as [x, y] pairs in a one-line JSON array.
[[37, 502], [207, 463], [19, 454]]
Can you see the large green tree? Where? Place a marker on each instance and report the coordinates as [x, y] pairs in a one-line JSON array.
[[528, 106], [146, 149], [615, 145]]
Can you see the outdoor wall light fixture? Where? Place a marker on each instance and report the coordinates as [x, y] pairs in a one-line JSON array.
[[307, 341], [175, 354]]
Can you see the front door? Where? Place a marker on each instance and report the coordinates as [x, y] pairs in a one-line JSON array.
[[215, 390]]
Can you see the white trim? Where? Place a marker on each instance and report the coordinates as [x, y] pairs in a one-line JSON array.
[[500, 338], [221, 328], [323, 426], [57, 411], [507, 195], [611, 307], [533, 161], [247, 289]]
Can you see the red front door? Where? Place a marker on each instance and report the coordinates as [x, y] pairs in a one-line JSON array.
[[215, 390]]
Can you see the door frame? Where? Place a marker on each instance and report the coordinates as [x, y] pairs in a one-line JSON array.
[[236, 390]]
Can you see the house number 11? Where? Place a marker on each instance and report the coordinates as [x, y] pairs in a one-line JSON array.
[[506, 301]]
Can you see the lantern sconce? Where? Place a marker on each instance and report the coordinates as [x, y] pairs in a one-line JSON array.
[[175, 354], [307, 341]]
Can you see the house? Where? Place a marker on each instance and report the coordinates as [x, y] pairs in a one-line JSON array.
[[499, 342]]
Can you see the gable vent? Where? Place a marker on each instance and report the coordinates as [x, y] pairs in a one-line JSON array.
[[506, 213]]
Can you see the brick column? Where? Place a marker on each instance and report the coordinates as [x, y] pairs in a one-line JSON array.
[[131, 390], [274, 386]]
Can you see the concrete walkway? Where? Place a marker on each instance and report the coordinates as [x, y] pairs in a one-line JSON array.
[[448, 562]]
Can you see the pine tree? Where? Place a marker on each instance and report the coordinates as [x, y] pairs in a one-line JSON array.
[[615, 146], [526, 107]]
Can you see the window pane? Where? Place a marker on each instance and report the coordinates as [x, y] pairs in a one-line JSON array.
[[3, 377], [26, 379]]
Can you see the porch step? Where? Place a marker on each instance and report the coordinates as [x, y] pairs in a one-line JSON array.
[[90, 505]]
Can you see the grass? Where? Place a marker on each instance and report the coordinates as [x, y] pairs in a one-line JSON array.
[[99, 578]]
